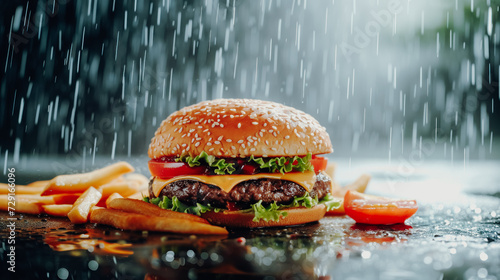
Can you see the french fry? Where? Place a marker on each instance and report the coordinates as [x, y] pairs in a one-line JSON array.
[[69, 198], [124, 188], [111, 197], [45, 200], [21, 205], [78, 183], [60, 210], [20, 189], [330, 169], [133, 221], [148, 209], [337, 189], [359, 185], [38, 184], [136, 177], [139, 195], [80, 211]]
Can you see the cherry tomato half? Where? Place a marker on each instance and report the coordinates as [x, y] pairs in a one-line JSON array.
[[319, 163], [167, 170], [375, 210]]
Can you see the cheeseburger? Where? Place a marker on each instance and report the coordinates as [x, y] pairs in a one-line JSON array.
[[242, 163]]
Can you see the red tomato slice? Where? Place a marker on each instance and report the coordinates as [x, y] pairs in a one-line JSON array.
[[248, 169], [375, 210], [319, 163], [167, 170]]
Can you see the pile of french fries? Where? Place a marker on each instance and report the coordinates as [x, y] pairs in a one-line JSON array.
[[111, 195], [338, 191]]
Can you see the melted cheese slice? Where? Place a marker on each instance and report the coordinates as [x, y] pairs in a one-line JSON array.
[[227, 182]]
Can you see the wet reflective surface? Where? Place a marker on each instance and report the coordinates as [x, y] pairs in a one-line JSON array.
[[454, 235]]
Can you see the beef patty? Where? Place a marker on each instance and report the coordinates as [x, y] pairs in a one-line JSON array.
[[243, 194]]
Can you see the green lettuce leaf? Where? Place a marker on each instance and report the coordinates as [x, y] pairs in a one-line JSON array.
[[175, 204], [305, 201], [284, 164], [330, 202], [220, 165], [269, 213]]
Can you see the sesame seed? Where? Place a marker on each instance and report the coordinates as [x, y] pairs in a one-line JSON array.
[[252, 150], [197, 144], [217, 142], [255, 123], [220, 138], [303, 143], [239, 141], [239, 125], [228, 140], [274, 149]]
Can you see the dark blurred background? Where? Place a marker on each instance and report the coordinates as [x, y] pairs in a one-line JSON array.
[[388, 79]]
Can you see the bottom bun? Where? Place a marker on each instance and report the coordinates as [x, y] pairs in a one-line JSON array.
[[238, 219]]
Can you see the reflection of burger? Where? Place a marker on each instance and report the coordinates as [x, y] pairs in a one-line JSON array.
[[241, 163]]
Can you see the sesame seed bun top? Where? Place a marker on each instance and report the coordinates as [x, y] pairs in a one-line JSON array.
[[239, 128]]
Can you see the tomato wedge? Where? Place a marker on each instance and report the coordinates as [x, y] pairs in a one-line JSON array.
[[167, 170], [376, 210], [319, 163]]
